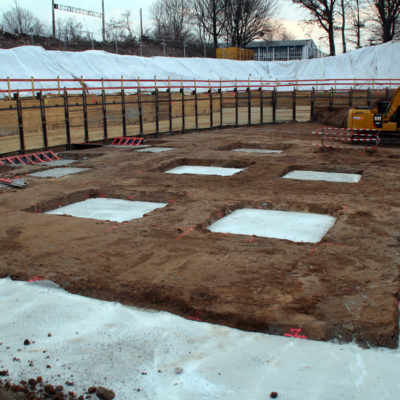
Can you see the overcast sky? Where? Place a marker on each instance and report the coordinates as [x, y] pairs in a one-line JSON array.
[[289, 13]]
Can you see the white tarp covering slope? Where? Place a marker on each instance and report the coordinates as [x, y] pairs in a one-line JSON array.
[[170, 358], [378, 62]]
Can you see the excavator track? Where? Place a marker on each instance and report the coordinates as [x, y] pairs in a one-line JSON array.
[[391, 139]]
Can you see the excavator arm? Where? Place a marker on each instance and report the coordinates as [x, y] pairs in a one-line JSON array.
[[393, 112]]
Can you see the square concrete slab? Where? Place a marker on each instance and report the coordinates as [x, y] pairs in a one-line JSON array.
[[199, 170], [155, 149], [108, 209], [58, 172], [58, 163], [294, 226], [259, 151], [124, 147], [323, 176]]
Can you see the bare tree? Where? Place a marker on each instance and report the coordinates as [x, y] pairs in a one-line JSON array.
[[386, 20], [120, 28], [69, 30], [247, 20], [210, 15], [356, 11], [323, 13], [342, 13], [126, 17], [278, 31], [19, 20], [171, 19]]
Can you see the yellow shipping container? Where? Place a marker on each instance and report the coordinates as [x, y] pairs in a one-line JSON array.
[[235, 53]]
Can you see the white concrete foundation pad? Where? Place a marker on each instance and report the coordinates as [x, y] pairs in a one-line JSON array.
[[258, 151], [58, 163], [289, 225], [108, 209], [58, 172], [155, 149], [171, 358], [199, 170], [124, 147], [323, 176]]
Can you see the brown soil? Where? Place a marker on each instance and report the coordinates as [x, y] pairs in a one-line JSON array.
[[344, 288], [37, 389]]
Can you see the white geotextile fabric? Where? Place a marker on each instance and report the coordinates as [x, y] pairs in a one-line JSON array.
[[378, 62], [170, 358]]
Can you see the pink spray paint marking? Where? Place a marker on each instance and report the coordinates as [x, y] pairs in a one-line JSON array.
[[185, 233], [111, 228], [295, 332], [198, 316], [35, 279]]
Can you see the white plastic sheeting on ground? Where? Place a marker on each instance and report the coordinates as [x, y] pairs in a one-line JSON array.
[[288, 225], [155, 355], [58, 172], [258, 151], [200, 170], [108, 209], [322, 176], [155, 149], [377, 62]]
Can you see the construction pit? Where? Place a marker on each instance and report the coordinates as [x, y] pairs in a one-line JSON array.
[[342, 284]]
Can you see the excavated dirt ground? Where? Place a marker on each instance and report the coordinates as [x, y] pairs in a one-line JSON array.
[[344, 288]]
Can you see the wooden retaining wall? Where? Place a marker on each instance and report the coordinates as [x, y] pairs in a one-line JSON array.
[[28, 124]]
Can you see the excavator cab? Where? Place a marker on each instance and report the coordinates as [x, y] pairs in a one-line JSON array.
[[383, 106]]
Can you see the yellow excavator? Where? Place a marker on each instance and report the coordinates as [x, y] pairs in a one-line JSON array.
[[385, 118]]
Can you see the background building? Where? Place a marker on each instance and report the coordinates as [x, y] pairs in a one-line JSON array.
[[283, 50]]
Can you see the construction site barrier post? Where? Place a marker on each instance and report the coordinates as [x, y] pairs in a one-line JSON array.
[[169, 110], [294, 105], [85, 115], [123, 109], [139, 99], [156, 99], [236, 107], [248, 106], [104, 108], [221, 108], [312, 100], [43, 119], [66, 116], [196, 111], [183, 109], [20, 124], [211, 109]]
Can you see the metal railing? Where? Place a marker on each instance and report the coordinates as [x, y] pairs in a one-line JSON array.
[[26, 87]]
